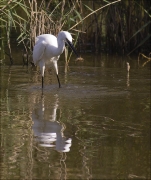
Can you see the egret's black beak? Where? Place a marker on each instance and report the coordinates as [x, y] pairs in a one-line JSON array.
[[71, 46]]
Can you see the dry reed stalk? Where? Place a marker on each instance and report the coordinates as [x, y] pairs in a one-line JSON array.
[[146, 62], [9, 46], [80, 31], [96, 29], [2, 9], [35, 32], [48, 5], [94, 12], [62, 12], [66, 55], [148, 58], [42, 22], [41, 5], [31, 20], [144, 56]]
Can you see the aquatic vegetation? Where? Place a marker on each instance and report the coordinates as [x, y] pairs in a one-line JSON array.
[[113, 27]]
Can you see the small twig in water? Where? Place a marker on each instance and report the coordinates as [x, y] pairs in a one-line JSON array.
[[148, 58], [128, 66]]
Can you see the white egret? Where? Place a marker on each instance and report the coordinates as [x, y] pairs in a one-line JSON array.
[[48, 49]]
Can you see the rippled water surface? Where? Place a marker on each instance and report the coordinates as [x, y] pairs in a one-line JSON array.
[[96, 126]]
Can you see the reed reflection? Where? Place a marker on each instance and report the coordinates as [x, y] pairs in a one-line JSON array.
[[128, 79], [47, 127]]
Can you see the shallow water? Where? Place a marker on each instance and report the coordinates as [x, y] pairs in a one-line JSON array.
[[96, 126]]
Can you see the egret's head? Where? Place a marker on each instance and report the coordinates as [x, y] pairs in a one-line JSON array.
[[63, 35], [66, 36]]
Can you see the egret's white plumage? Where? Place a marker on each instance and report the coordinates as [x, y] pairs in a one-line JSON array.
[[48, 49]]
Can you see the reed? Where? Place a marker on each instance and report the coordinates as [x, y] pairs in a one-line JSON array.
[[148, 59], [122, 28], [9, 19], [113, 27], [42, 17], [45, 18]]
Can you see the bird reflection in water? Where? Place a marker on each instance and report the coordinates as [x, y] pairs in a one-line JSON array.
[[48, 131]]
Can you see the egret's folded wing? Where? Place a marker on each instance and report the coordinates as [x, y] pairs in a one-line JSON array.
[[38, 52]]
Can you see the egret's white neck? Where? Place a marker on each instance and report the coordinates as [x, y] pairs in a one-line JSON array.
[[61, 45]]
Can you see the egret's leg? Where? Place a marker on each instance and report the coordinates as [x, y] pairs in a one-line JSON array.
[[42, 82], [58, 81], [56, 68], [42, 69]]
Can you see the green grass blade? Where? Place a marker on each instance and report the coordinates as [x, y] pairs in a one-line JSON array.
[[20, 36], [139, 30], [24, 7], [19, 17], [54, 9], [140, 44], [144, 10], [106, 1], [88, 7], [78, 14]]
